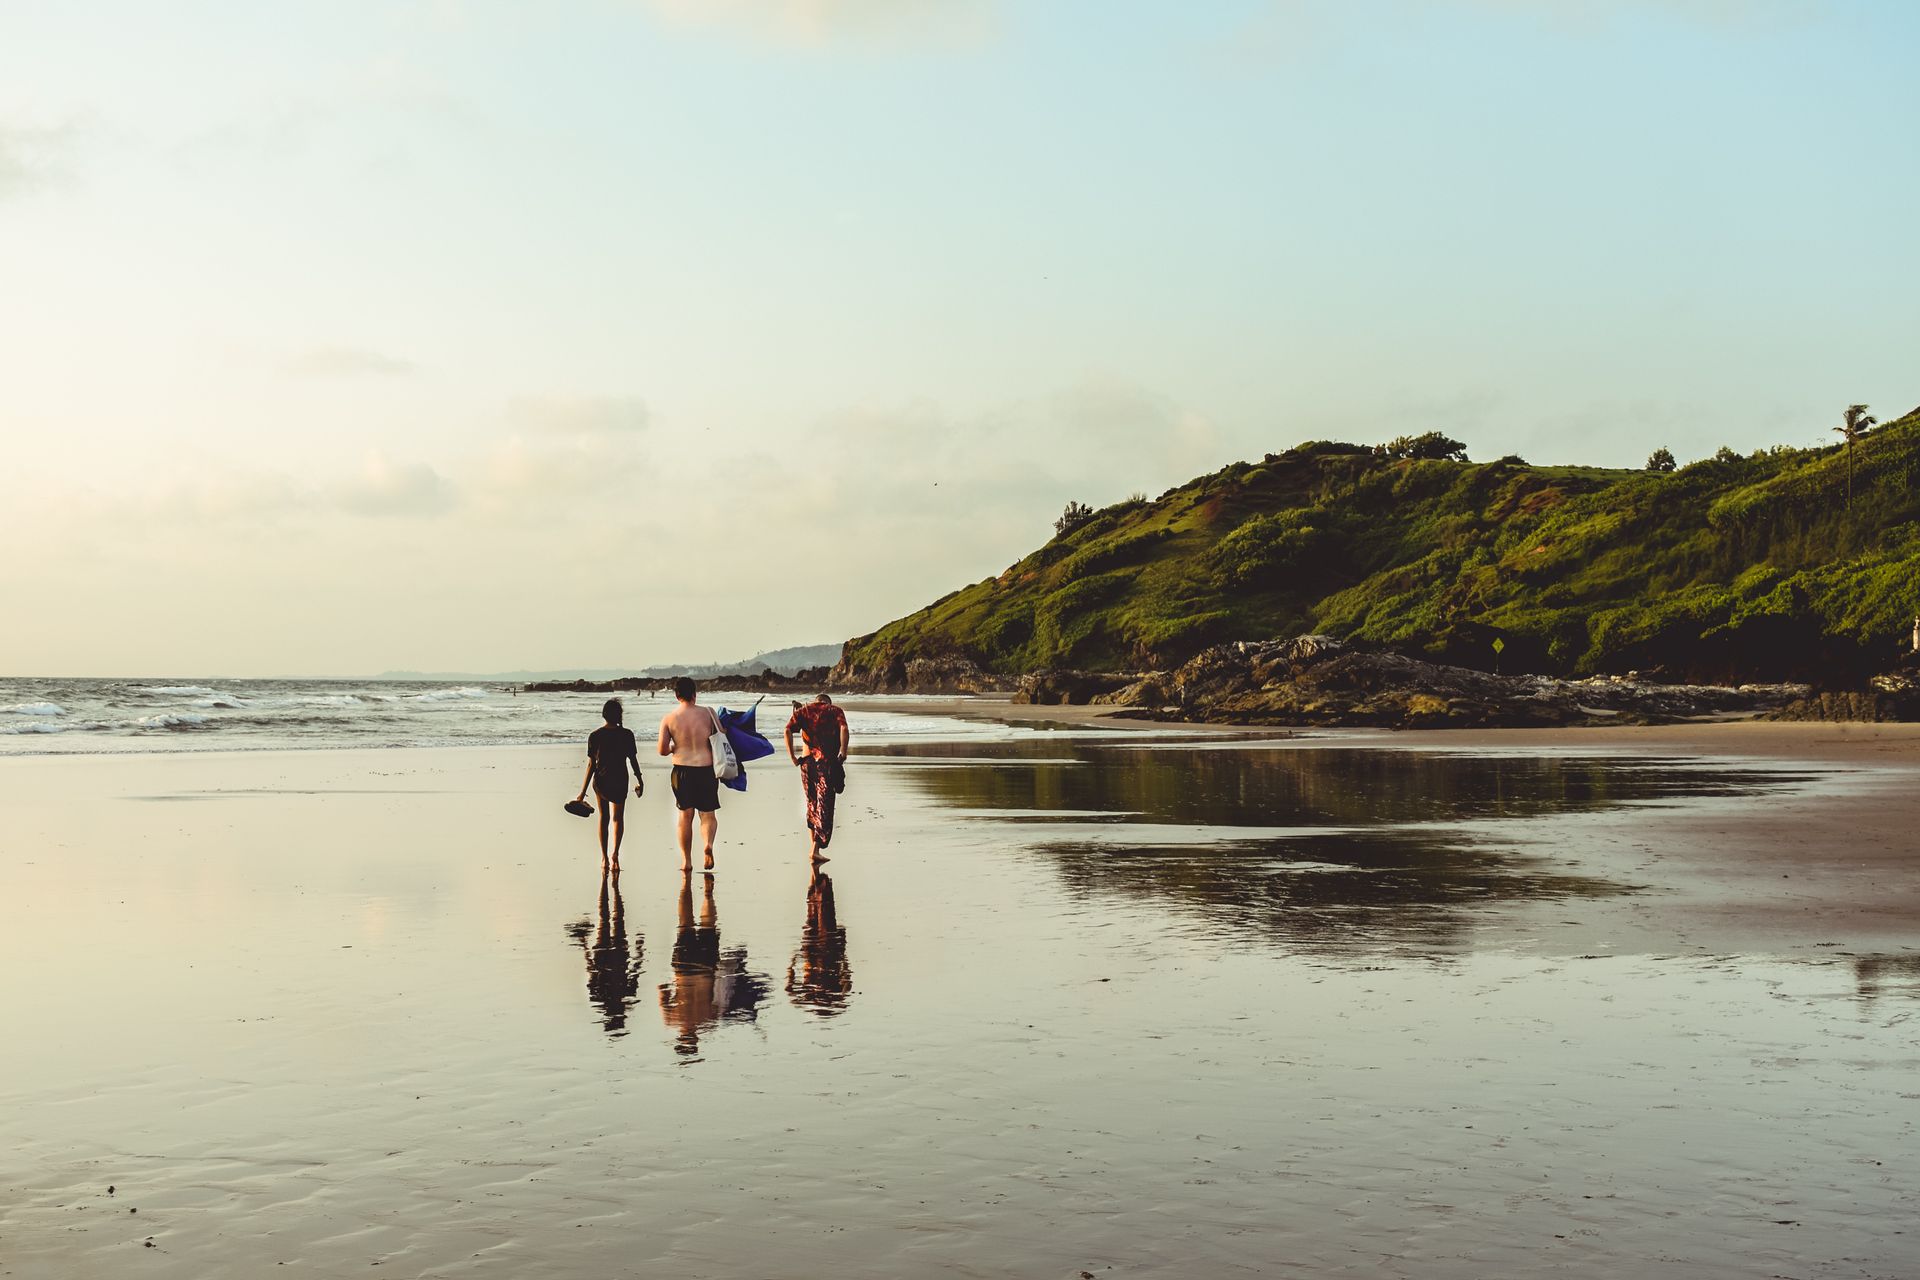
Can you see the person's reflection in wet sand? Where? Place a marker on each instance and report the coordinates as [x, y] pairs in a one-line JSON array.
[[708, 987], [820, 979], [613, 968]]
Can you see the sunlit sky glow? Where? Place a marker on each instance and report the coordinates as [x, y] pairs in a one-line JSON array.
[[338, 336]]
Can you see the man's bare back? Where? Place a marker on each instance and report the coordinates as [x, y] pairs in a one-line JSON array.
[[684, 732]]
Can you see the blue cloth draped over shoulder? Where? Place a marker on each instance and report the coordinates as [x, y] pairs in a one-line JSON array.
[[746, 740]]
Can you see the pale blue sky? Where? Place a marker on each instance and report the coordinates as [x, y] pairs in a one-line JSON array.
[[404, 324]]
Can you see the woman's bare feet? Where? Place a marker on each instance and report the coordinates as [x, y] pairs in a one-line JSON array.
[[709, 857]]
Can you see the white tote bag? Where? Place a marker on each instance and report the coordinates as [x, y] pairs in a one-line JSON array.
[[726, 765]]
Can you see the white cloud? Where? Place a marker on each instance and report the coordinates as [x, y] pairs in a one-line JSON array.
[[235, 498], [915, 499], [33, 156], [348, 362], [818, 22], [1125, 428], [580, 415], [388, 488]]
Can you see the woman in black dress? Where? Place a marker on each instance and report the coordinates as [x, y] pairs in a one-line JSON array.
[[609, 750]]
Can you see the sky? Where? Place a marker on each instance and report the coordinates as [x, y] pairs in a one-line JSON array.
[[339, 336]]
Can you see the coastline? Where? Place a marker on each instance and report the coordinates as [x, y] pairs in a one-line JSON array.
[[1838, 742]]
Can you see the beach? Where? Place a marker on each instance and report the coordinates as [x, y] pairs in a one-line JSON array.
[[1078, 997]]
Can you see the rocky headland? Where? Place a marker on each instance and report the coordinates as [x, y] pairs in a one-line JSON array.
[[767, 681], [1318, 680]]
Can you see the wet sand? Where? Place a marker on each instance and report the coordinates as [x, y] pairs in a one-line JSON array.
[[314, 1013], [1839, 864]]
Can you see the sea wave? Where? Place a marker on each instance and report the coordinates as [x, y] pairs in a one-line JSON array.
[[34, 709], [223, 702], [38, 726], [447, 695], [180, 690], [173, 720]]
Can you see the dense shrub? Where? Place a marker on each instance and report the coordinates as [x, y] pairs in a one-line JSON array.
[[1429, 446], [1267, 550]]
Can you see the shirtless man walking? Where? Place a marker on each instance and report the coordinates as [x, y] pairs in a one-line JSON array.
[[683, 735]]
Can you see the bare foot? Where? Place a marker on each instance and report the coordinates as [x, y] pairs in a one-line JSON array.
[[818, 857], [709, 866]]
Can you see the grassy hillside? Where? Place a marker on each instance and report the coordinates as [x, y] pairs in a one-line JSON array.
[[1731, 567]]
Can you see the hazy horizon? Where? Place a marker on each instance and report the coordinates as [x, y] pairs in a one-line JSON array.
[[587, 670], [446, 335]]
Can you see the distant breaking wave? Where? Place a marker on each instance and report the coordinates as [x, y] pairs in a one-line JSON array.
[[447, 695], [168, 721], [55, 716]]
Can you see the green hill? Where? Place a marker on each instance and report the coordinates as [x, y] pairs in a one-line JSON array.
[[1730, 568]]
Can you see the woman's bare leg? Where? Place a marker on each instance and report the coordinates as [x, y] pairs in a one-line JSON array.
[[619, 808]]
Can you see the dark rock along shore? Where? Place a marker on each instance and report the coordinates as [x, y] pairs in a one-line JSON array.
[[1318, 680], [768, 681]]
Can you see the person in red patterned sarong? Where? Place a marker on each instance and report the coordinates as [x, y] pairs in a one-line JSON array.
[[823, 768]]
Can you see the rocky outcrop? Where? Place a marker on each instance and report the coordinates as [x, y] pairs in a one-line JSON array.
[[941, 675], [1894, 696], [768, 681], [1317, 680], [1072, 688]]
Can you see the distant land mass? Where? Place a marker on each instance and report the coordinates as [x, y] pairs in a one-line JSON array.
[[784, 662], [1783, 564]]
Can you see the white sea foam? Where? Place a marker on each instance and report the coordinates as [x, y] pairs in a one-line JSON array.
[[34, 709], [223, 701], [892, 724], [38, 726], [447, 695], [182, 690], [169, 720]]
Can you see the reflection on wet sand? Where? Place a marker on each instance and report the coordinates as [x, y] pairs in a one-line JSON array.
[[709, 987], [1370, 862], [820, 979], [1308, 787], [1879, 975], [1372, 890], [613, 968]]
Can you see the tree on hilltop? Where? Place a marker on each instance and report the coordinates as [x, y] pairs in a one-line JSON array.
[[1661, 460], [1076, 514], [1856, 423], [1429, 446]]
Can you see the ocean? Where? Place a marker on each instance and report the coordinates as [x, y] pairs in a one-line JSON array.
[[48, 716]]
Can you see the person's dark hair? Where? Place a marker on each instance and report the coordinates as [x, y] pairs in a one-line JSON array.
[[613, 711], [683, 689], [822, 697]]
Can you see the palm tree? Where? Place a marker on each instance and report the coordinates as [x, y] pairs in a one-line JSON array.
[[1857, 422]]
